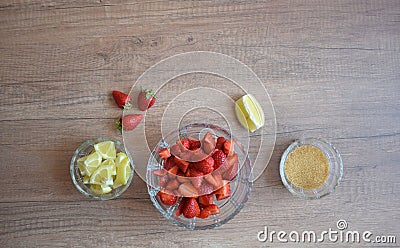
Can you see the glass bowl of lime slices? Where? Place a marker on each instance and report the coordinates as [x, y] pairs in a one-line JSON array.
[[101, 168]]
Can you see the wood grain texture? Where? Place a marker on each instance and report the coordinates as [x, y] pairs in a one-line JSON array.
[[332, 69]]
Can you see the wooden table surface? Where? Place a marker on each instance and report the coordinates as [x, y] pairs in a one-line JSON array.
[[332, 69]]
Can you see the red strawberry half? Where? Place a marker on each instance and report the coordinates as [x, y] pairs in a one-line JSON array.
[[146, 99], [122, 100]]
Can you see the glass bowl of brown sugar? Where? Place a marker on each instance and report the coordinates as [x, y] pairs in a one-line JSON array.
[[311, 168]]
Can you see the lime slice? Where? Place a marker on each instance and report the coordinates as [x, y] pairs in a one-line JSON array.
[[92, 162], [81, 165], [86, 179], [120, 157], [111, 163], [249, 113], [106, 149], [102, 175], [123, 173], [100, 189]]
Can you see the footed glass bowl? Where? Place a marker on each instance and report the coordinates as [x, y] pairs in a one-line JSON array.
[[240, 187]]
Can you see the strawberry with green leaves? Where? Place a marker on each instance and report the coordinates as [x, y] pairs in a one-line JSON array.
[[146, 99], [129, 122]]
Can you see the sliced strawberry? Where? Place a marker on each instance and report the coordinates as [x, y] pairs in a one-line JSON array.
[[184, 152], [220, 143], [214, 179], [163, 181], [204, 214], [206, 188], [206, 165], [184, 143], [212, 209], [223, 192], [182, 164], [180, 207], [228, 147], [122, 100], [175, 150], [164, 153], [191, 208], [194, 143], [167, 199], [197, 155], [174, 170], [208, 143], [159, 173], [196, 177], [206, 200], [172, 184], [188, 190], [169, 163], [219, 158], [232, 170], [182, 178], [211, 180]]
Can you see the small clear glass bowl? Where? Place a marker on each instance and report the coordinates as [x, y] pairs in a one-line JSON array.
[[85, 149], [335, 170], [240, 187]]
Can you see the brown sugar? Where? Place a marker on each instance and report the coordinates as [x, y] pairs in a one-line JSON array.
[[307, 167]]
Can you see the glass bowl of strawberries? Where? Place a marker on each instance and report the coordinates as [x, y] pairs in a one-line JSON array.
[[199, 176]]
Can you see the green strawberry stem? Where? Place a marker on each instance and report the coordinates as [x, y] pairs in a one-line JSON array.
[[118, 124], [127, 106], [149, 93]]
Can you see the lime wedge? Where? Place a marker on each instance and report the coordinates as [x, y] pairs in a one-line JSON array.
[[249, 113], [102, 175], [81, 165], [111, 164], [86, 179], [120, 157], [92, 162], [106, 149], [123, 173], [100, 189]]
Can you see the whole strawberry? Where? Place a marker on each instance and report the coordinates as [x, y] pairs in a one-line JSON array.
[[122, 100], [146, 99], [129, 122], [191, 208]]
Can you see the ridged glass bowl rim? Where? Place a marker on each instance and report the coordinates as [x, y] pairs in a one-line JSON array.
[[245, 161], [308, 141], [113, 194]]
